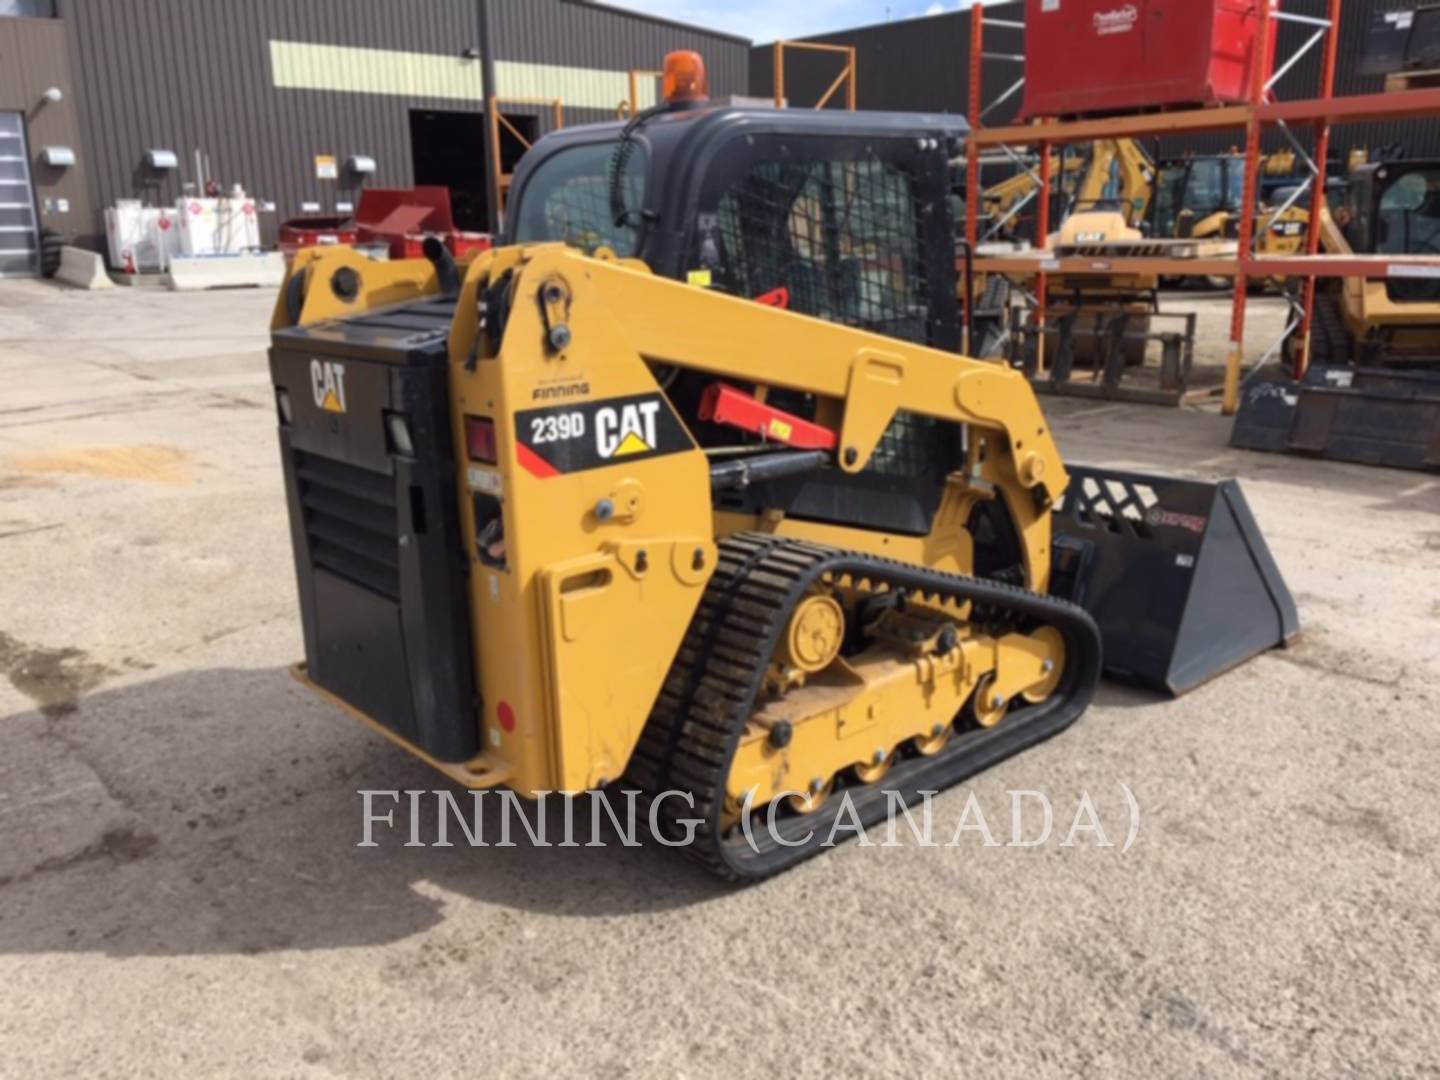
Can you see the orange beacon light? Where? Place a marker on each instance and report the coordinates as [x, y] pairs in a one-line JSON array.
[[685, 82]]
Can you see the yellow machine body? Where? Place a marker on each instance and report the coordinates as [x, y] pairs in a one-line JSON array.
[[1114, 172], [1366, 310], [1366, 305], [352, 282], [603, 567], [1110, 190], [729, 519]]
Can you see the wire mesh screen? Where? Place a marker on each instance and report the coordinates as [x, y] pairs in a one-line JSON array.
[[842, 237], [917, 446]]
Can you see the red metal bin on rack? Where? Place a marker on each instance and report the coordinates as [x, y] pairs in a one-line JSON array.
[[1099, 57]]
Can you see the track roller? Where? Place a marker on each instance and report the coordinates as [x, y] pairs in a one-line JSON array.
[[779, 602]]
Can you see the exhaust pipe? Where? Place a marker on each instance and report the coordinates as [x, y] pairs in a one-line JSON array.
[[444, 263]]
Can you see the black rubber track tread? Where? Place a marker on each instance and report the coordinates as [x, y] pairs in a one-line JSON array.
[[1330, 338], [51, 249], [1330, 341], [700, 715]]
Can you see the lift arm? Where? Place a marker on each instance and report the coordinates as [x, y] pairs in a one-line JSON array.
[[589, 313], [872, 376]]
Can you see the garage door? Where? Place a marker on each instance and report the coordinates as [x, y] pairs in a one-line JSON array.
[[19, 244]]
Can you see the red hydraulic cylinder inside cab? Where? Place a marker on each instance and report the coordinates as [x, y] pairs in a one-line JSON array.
[[1101, 57]]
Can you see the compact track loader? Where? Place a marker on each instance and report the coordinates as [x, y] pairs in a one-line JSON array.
[[686, 485], [1371, 391]]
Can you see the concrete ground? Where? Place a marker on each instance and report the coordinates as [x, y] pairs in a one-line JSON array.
[[181, 892]]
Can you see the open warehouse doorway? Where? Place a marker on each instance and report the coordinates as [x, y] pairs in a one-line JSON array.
[[448, 149]]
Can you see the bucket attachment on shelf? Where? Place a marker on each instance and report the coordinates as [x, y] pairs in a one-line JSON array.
[[1175, 572]]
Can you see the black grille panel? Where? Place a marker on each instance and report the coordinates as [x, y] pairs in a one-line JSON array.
[[379, 561], [1117, 504], [350, 522]]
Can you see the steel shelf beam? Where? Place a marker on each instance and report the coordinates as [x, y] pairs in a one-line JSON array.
[[1354, 108], [1297, 266], [1350, 109], [1189, 121], [1120, 266]]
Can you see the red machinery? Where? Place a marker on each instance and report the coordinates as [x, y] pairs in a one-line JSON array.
[[1089, 57], [403, 217], [312, 230]]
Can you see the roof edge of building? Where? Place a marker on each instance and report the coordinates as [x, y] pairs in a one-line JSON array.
[[939, 16], [660, 20]]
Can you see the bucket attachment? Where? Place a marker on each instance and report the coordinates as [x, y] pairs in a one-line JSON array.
[[1175, 572], [1374, 416]]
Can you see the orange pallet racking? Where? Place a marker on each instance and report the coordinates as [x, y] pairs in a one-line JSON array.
[[1261, 112]]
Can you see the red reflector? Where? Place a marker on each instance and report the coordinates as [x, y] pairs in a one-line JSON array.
[[507, 716], [480, 439]]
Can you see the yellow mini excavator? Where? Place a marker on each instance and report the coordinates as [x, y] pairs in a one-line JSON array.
[[1105, 323], [685, 485], [1114, 175]]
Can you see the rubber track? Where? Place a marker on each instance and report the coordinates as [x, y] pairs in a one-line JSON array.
[[711, 689], [1330, 338]]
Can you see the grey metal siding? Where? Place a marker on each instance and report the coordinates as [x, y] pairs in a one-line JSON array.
[[573, 33], [1421, 138], [185, 76], [195, 74], [923, 64], [910, 65], [33, 58]]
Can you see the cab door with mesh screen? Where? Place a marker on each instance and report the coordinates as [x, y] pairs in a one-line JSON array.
[[847, 227], [855, 231], [19, 240]]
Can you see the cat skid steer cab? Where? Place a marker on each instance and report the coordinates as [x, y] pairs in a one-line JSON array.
[[687, 486]]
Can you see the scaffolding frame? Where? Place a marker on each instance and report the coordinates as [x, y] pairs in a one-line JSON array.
[[846, 78], [631, 106], [1254, 117], [497, 119]]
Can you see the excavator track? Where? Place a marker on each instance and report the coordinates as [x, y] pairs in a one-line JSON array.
[[712, 689]]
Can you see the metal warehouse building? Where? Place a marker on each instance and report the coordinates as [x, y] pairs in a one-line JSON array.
[[305, 102], [289, 98], [924, 64]]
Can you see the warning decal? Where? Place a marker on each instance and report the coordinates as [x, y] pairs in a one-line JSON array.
[[592, 434]]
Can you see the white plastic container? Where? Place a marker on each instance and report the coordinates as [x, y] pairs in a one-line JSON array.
[[223, 226], [141, 239]]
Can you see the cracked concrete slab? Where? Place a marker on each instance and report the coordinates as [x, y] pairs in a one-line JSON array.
[[181, 892]]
